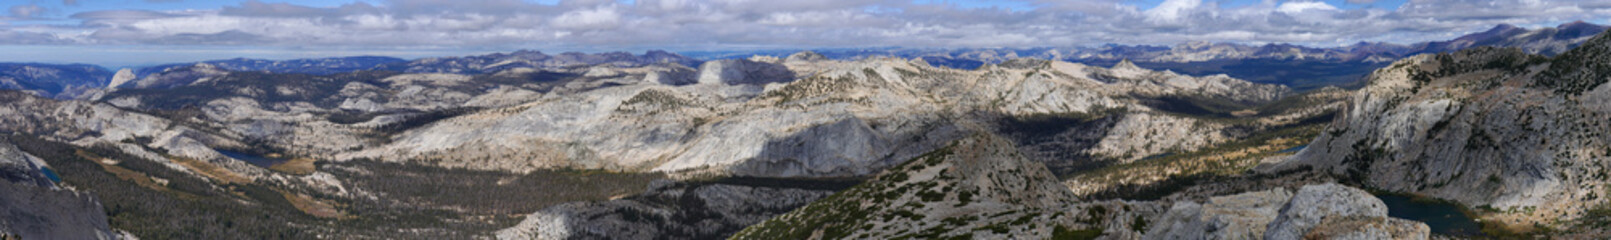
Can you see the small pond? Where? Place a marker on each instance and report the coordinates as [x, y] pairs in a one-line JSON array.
[[1294, 149], [51, 175], [1443, 218], [1160, 155], [260, 161]]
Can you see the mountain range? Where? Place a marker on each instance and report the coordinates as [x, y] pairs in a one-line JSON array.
[[1301, 67], [1492, 135]]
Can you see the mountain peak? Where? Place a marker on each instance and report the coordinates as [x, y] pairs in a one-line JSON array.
[[806, 56], [1502, 27], [1575, 24], [1125, 64]]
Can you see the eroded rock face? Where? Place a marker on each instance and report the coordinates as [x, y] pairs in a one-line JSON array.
[[1483, 127], [1321, 211]]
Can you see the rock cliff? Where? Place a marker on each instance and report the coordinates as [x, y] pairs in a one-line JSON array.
[[1522, 135]]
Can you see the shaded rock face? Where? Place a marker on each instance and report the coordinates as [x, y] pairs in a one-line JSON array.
[[979, 186], [33, 207], [743, 71], [666, 211], [23, 169], [1323, 211], [805, 56], [1483, 127]]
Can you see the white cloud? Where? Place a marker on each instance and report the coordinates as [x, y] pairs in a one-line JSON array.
[[602, 18], [827, 23], [1171, 11], [1300, 7], [26, 10]]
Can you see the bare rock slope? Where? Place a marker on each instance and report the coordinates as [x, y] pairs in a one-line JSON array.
[[1489, 128]]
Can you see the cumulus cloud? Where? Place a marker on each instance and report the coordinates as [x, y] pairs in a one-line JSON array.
[[1300, 7], [610, 24], [602, 18], [26, 10]]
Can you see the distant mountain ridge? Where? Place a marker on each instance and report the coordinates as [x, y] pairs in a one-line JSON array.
[[536, 60], [53, 80], [1300, 67], [319, 66], [1545, 40]]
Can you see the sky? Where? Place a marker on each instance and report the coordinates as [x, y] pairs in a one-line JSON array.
[[137, 32]]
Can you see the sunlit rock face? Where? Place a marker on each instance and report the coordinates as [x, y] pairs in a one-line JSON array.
[[812, 117], [1485, 127], [1323, 211]]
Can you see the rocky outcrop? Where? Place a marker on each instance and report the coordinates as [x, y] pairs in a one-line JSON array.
[[33, 207], [176, 76], [1486, 127], [20, 168], [978, 186], [1323, 211], [1241, 216], [743, 71], [88, 124], [123, 77], [1363, 228], [666, 211], [805, 56]]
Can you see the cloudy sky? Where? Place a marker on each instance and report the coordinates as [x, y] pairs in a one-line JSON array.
[[133, 32]]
